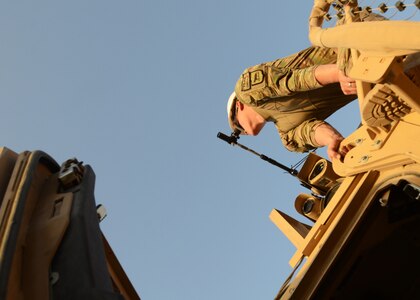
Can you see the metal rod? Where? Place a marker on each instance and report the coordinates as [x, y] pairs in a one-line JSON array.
[[233, 140]]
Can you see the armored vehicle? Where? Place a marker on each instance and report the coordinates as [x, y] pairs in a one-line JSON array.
[[51, 245], [361, 240]]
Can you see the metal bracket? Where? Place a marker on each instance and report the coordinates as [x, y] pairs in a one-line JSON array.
[[71, 173]]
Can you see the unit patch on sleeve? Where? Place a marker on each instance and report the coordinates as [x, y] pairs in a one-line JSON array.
[[257, 77], [245, 82], [250, 79]]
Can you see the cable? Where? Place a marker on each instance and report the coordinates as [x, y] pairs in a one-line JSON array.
[[300, 162]]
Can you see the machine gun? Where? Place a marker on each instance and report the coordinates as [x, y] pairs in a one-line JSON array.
[[316, 175], [233, 140]]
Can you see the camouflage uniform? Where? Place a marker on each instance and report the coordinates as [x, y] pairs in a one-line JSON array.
[[286, 92]]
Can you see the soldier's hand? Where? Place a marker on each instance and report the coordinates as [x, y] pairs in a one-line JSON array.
[[326, 135], [333, 149], [337, 150], [348, 85]]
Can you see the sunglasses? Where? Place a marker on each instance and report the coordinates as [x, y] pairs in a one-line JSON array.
[[238, 128]]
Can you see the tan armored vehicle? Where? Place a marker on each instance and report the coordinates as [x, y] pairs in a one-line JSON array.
[[51, 245], [363, 237]]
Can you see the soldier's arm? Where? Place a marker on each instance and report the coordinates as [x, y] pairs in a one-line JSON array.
[[313, 134], [268, 81], [299, 80], [302, 137], [327, 74], [326, 135], [290, 81]]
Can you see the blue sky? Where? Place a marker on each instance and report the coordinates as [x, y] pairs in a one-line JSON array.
[[138, 90]]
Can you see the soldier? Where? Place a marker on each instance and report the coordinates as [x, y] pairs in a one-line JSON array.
[[297, 93]]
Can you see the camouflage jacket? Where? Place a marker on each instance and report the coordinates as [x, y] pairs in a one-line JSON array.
[[285, 91]]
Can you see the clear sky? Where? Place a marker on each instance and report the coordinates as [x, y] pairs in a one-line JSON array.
[[138, 90]]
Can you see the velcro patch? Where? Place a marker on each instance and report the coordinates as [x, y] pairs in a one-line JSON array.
[[245, 82], [250, 79], [257, 77]]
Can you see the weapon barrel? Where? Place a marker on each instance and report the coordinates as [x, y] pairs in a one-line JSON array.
[[233, 140], [227, 139]]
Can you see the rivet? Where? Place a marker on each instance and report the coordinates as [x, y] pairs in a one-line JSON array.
[[364, 158]]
